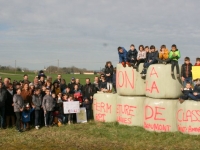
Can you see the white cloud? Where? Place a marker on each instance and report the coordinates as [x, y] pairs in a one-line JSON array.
[[36, 32]]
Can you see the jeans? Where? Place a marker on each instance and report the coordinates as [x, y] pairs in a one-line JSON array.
[[147, 64], [187, 80], [174, 63], [18, 117], [49, 118], [140, 61], [37, 117], [193, 97], [65, 118], [161, 60], [88, 112], [2, 115]]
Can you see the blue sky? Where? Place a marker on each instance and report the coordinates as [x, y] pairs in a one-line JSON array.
[[87, 33]]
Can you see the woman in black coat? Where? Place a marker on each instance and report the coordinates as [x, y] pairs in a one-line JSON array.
[[9, 109]]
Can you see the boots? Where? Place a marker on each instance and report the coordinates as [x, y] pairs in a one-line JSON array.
[[128, 64], [123, 64]]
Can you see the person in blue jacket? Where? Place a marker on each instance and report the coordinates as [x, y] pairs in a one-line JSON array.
[[26, 116], [123, 59]]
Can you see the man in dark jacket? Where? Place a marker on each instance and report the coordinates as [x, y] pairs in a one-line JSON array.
[[132, 55], [26, 79], [3, 96], [186, 71], [58, 80], [88, 89], [71, 84], [80, 86]]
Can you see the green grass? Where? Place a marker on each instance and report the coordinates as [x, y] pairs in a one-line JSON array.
[[19, 76], [96, 135]]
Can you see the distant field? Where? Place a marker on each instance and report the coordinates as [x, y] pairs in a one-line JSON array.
[[19, 76]]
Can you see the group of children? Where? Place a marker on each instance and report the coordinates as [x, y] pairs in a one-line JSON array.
[[150, 56]]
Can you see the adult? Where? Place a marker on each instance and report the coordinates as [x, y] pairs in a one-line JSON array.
[[80, 86], [9, 110], [25, 80], [6, 82], [96, 83], [58, 80], [71, 84], [3, 97], [88, 89], [63, 85], [18, 104], [26, 94]]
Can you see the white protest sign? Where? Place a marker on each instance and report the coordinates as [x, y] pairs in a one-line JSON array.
[[81, 117], [71, 107]]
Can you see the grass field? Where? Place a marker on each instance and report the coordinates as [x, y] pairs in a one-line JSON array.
[[96, 136], [19, 76]]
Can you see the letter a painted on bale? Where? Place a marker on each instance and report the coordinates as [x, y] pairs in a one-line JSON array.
[[153, 72]]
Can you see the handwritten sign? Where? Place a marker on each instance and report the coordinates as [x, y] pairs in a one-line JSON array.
[[101, 109], [81, 117], [71, 107], [152, 87], [127, 111], [195, 72], [124, 79]]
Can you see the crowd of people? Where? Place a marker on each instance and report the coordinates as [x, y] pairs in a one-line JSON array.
[[40, 103], [150, 55]]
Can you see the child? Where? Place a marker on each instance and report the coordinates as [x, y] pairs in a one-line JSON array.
[[37, 103], [132, 55], [123, 57], [18, 104], [174, 56], [78, 94], [103, 84], [48, 105], [65, 116], [186, 71], [70, 116], [109, 73], [26, 117], [56, 88], [197, 62], [196, 92], [163, 55], [88, 106], [151, 59], [141, 56], [185, 92]]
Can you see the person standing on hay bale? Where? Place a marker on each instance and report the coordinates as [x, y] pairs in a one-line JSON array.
[[174, 56], [109, 75]]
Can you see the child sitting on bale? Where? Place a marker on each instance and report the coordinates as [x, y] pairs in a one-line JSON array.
[[186, 91]]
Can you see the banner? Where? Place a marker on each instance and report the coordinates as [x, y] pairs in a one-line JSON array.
[[81, 117], [71, 107], [195, 72]]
